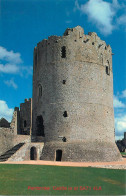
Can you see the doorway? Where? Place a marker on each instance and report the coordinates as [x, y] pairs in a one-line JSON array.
[[33, 153], [58, 155], [40, 126]]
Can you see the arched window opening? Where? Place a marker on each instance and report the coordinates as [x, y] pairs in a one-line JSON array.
[[33, 153], [63, 52], [25, 123], [39, 126], [58, 155]]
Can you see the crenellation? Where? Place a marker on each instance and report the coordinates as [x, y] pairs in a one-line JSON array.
[[68, 31], [90, 46], [43, 43], [54, 38], [16, 109]]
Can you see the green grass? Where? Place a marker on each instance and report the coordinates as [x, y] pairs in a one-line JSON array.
[[15, 179], [123, 153]]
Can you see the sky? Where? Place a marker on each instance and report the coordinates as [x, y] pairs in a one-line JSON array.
[[24, 23]]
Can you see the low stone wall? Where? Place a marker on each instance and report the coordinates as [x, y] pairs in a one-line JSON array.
[[37, 138], [6, 139], [21, 138], [23, 154]]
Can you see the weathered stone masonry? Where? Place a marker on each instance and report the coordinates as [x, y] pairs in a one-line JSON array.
[[73, 98], [18, 131]]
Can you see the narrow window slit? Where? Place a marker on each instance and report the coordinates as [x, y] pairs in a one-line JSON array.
[[63, 52], [25, 123], [108, 68], [64, 139], [64, 81], [65, 114]]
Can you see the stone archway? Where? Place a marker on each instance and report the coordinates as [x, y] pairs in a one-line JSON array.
[[33, 153]]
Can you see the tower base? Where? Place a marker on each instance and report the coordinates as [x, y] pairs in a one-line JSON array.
[[81, 152]]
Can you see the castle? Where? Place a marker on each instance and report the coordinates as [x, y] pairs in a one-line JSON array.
[[72, 106]]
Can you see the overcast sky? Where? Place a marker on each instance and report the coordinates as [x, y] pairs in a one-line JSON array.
[[23, 23]]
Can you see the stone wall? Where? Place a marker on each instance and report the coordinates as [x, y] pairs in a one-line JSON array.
[[4, 123], [15, 123], [6, 139], [21, 138], [26, 116], [25, 151], [9, 137], [73, 94]]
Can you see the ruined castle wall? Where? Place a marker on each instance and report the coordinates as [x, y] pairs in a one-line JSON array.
[[21, 139], [6, 139], [9, 137], [4, 123], [15, 123], [77, 82], [26, 116]]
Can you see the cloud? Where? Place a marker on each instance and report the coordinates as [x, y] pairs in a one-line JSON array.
[[10, 56], [120, 125], [11, 63], [11, 83], [117, 103], [9, 68], [120, 114], [26, 69], [103, 14], [121, 20], [123, 94], [5, 111], [116, 4]]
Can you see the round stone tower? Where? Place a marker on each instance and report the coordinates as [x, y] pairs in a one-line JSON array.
[[73, 98]]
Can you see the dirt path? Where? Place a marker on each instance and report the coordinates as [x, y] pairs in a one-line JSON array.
[[111, 165]]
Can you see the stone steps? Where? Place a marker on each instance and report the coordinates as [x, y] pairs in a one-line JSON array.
[[9, 153]]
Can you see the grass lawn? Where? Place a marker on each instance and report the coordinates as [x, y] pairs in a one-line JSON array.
[[123, 153], [15, 180]]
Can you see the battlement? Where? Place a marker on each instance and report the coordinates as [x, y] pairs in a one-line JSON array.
[[27, 100], [71, 33], [74, 45], [22, 118], [16, 109]]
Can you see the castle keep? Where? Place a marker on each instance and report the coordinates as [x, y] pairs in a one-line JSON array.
[[73, 98], [70, 116]]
